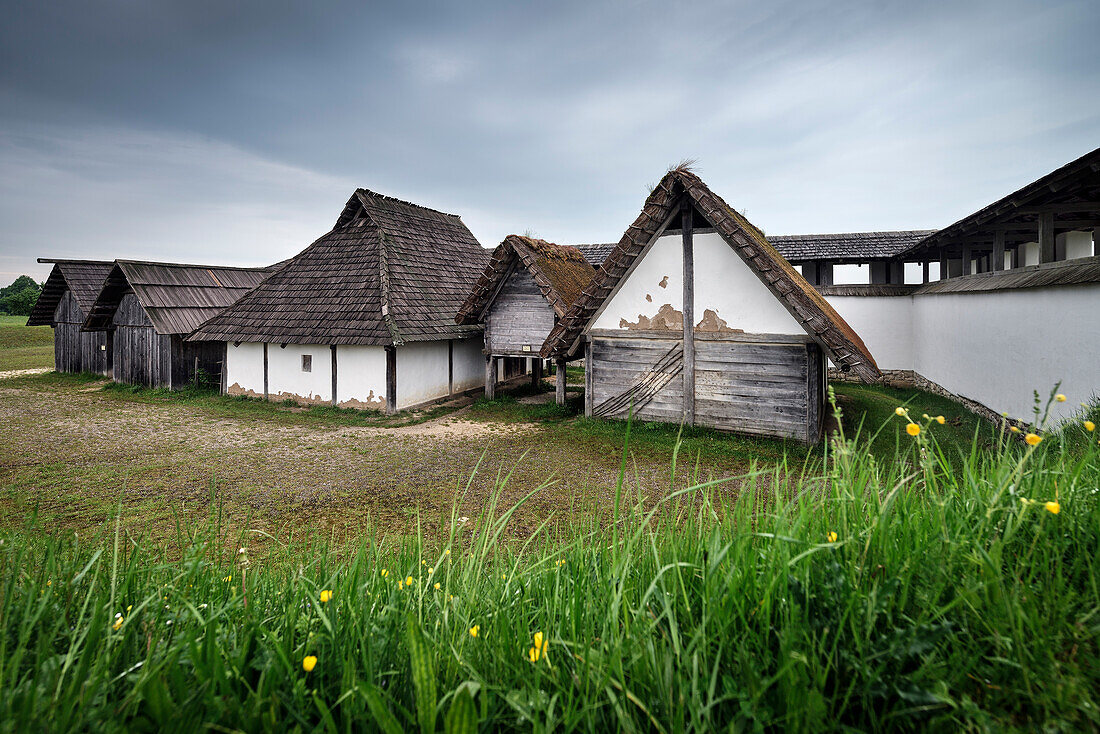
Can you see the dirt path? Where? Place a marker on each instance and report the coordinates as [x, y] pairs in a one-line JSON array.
[[22, 373]]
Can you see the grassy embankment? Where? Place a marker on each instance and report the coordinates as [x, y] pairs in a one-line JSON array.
[[24, 347], [915, 592]]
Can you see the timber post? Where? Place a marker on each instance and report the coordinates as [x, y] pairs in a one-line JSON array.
[[559, 381], [391, 380], [1046, 237], [333, 348], [689, 310], [997, 260], [490, 377], [265, 370]]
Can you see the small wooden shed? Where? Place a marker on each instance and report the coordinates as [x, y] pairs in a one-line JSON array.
[[695, 318], [526, 287], [65, 300], [145, 309]]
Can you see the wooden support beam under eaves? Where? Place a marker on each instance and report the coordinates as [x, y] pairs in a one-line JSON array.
[[1046, 237]]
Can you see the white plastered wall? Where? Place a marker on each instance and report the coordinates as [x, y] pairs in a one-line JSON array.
[[723, 284], [421, 372], [286, 379], [469, 364], [361, 376], [244, 369], [1078, 244], [995, 347]]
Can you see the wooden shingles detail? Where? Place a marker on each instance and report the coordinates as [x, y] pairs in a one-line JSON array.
[[817, 317], [83, 278], [561, 273], [175, 297], [389, 272]]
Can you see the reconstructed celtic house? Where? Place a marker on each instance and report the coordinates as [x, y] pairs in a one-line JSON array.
[[363, 317]]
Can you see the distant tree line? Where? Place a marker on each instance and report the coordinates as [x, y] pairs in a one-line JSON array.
[[19, 298]]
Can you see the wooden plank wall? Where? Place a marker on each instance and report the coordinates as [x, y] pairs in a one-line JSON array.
[[752, 387], [519, 316], [141, 355], [76, 350]]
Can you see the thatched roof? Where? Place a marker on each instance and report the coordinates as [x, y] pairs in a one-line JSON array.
[[389, 272], [560, 271], [176, 297], [848, 246], [83, 278], [821, 322]]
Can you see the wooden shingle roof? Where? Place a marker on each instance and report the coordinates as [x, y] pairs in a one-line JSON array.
[[561, 273], [83, 278], [388, 272], [848, 246], [596, 253], [817, 317], [175, 296]]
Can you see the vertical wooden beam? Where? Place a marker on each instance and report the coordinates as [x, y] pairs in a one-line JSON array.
[[450, 366], [559, 381], [588, 367], [536, 370], [490, 377], [966, 255], [391, 380], [265, 370], [1096, 241], [945, 266], [333, 348], [689, 309], [1046, 237], [924, 271], [826, 272], [223, 380], [998, 257]]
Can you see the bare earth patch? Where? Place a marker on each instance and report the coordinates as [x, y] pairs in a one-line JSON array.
[[75, 454]]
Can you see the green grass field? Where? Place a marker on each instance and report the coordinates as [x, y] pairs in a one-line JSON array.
[[859, 594], [24, 347]]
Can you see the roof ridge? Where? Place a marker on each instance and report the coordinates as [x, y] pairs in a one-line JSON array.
[[128, 261], [393, 199]]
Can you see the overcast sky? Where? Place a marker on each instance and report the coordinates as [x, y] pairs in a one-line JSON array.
[[233, 132]]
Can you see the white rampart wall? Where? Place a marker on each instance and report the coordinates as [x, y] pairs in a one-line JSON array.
[[994, 347], [723, 284]]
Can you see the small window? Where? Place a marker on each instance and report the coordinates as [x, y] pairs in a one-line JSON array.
[[307, 363]]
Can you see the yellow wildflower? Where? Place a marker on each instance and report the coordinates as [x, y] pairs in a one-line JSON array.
[[912, 429], [430, 570], [118, 622], [325, 596], [1052, 507], [309, 662], [437, 586], [475, 630], [1033, 439], [1014, 429], [832, 536], [899, 410], [940, 419], [1090, 426], [408, 581], [1060, 398], [385, 573], [400, 584], [536, 652]]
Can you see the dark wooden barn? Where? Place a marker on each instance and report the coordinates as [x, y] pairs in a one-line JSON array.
[[526, 287], [66, 298], [145, 309], [695, 318]]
